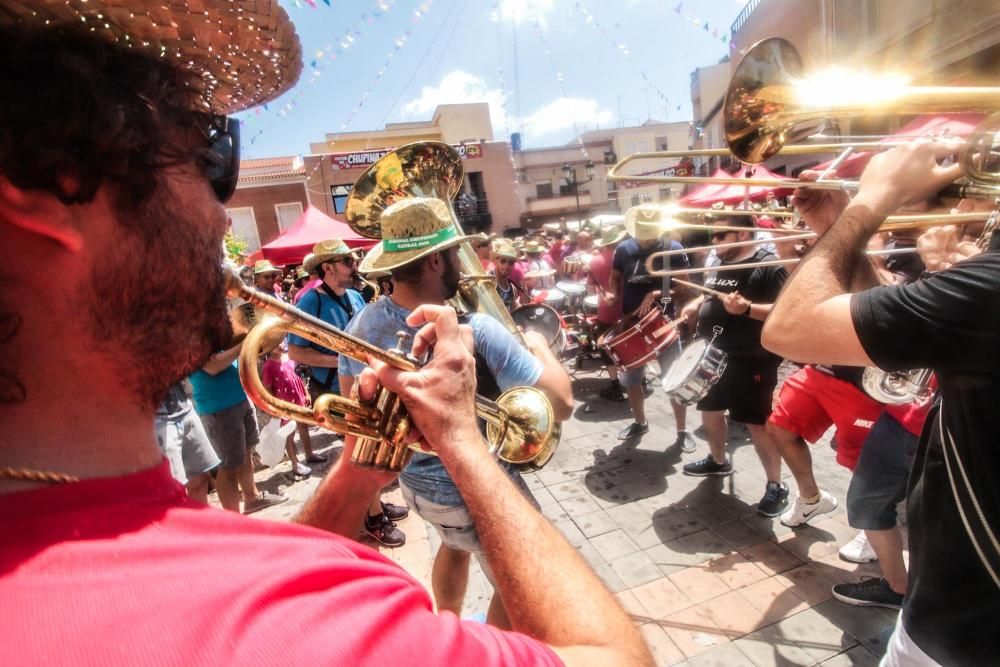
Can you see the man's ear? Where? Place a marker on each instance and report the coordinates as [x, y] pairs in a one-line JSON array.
[[39, 212]]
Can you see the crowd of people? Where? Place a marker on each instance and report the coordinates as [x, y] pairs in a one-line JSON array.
[[121, 417]]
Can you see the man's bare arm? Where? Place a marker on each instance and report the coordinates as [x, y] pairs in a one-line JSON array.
[[302, 354]]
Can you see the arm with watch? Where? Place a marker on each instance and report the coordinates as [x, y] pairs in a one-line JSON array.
[[736, 304]]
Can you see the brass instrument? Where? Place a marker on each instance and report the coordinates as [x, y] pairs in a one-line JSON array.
[[375, 288], [897, 387], [769, 95], [520, 425]]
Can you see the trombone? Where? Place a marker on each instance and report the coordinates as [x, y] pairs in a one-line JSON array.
[[769, 95], [721, 268], [520, 424]]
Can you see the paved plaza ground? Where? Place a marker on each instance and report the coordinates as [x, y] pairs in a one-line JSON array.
[[707, 580]]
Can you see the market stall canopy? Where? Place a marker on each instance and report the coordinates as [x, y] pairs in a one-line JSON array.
[[704, 196], [312, 227]]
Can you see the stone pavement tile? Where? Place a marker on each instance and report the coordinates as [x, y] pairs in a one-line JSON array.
[[726, 655], [705, 544], [842, 533], [809, 542], [630, 603], [609, 577], [738, 534], [661, 598], [664, 651], [736, 505], [879, 643], [770, 557], [699, 583], [595, 523], [679, 523], [815, 635], [734, 615], [553, 475], [613, 545], [629, 515], [673, 556], [859, 656], [645, 535], [735, 570], [531, 479], [542, 496], [808, 583], [567, 490], [590, 554], [770, 527], [774, 597], [636, 569], [554, 512], [579, 506], [859, 622], [837, 570], [768, 647], [711, 513], [693, 631], [570, 532]]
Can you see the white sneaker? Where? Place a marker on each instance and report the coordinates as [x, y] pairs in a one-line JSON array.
[[858, 550], [301, 470], [803, 512], [687, 442]]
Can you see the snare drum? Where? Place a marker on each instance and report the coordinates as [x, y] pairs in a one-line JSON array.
[[552, 297], [590, 304], [694, 372], [634, 341], [543, 319], [573, 292]]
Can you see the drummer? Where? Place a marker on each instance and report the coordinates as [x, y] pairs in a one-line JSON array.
[[537, 264], [639, 293], [607, 313], [504, 256]]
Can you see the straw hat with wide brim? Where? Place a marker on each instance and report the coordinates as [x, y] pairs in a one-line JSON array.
[[413, 228], [324, 251], [262, 266], [647, 222], [245, 53], [610, 234], [504, 248]]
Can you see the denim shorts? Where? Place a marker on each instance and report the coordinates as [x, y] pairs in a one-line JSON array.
[[664, 359], [232, 432], [454, 524], [879, 481], [185, 445]]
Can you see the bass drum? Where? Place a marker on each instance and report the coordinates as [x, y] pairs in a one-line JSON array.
[[634, 340], [543, 319], [694, 372], [590, 304]]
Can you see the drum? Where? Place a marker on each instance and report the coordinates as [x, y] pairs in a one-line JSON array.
[[634, 341], [590, 304], [552, 297], [543, 319], [573, 291], [575, 263], [698, 368]]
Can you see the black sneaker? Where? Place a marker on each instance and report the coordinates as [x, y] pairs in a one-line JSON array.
[[869, 592], [383, 531], [633, 430], [395, 512], [613, 392], [707, 467], [775, 499]]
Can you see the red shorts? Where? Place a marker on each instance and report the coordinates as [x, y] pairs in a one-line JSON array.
[[810, 401]]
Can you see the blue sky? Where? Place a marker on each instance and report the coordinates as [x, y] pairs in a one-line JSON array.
[[581, 64]]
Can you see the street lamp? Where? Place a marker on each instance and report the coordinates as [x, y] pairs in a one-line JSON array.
[[569, 173]]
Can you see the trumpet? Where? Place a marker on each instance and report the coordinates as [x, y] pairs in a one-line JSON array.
[[520, 425]]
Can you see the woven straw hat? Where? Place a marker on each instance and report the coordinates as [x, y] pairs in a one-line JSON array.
[[413, 228], [245, 53], [264, 266], [533, 246], [610, 234], [646, 222], [324, 251], [504, 248]]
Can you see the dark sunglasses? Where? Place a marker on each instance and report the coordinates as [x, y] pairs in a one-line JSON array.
[[718, 236], [504, 260], [221, 162], [347, 261]]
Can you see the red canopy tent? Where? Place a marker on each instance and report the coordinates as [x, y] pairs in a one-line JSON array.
[[955, 125], [710, 193], [312, 227]]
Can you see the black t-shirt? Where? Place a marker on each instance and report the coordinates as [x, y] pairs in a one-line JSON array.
[[630, 260], [948, 322], [852, 374], [740, 334]]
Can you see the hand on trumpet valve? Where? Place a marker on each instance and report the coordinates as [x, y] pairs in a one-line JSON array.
[[440, 396], [735, 303], [906, 175], [818, 209], [940, 247]]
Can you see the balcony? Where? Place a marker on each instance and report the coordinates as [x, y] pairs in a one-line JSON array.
[[742, 18], [557, 204], [473, 213]]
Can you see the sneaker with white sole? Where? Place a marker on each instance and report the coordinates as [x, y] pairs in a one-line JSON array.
[[869, 592], [687, 443], [858, 550], [803, 512]]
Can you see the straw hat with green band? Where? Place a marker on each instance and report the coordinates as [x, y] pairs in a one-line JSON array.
[[610, 234], [324, 251], [504, 248], [264, 266], [413, 228], [646, 222]]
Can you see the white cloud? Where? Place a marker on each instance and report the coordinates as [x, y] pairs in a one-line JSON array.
[[563, 114], [527, 10], [458, 87]]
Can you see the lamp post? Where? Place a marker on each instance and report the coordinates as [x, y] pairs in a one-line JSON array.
[[569, 173]]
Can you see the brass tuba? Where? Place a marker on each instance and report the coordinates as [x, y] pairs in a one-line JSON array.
[[896, 387], [432, 169]]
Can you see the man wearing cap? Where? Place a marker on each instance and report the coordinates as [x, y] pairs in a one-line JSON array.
[[504, 258], [114, 175], [639, 293], [335, 302], [608, 313], [420, 248]]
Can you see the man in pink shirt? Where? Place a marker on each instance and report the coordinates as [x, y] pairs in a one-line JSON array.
[[607, 313], [105, 561]]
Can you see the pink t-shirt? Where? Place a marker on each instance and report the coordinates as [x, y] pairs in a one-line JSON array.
[[129, 571], [281, 380], [600, 275]]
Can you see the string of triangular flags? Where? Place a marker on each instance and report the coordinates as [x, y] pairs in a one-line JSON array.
[[700, 23]]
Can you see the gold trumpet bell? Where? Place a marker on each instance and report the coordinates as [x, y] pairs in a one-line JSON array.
[[524, 430]]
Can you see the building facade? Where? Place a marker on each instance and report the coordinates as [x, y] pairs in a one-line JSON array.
[[270, 196]]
